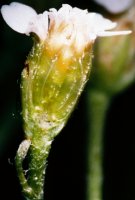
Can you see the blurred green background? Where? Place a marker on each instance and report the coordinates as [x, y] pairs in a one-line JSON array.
[[66, 174]]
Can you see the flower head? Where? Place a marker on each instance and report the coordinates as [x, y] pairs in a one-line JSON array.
[[67, 26]]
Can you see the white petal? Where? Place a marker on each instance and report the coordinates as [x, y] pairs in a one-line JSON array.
[[18, 16], [39, 25], [99, 23], [115, 6], [75, 22], [113, 33]]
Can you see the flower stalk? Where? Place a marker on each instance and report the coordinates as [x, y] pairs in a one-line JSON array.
[[98, 103], [33, 187], [39, 152]]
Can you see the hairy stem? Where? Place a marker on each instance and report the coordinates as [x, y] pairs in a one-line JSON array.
[[33, 185], [38, 159], [20, 156]]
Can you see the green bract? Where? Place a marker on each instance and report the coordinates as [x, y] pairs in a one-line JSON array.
[[51, 85]]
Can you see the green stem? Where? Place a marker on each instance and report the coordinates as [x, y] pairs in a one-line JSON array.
[[20, 156], [38, 159], [39, 147], [97, 102]]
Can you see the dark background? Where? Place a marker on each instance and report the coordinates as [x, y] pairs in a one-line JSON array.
[[66, 171]]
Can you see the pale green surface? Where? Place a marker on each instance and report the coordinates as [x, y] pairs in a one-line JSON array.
[[98, 105], [50, 90]]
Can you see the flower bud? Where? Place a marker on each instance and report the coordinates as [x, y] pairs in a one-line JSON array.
[[114, 63]]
